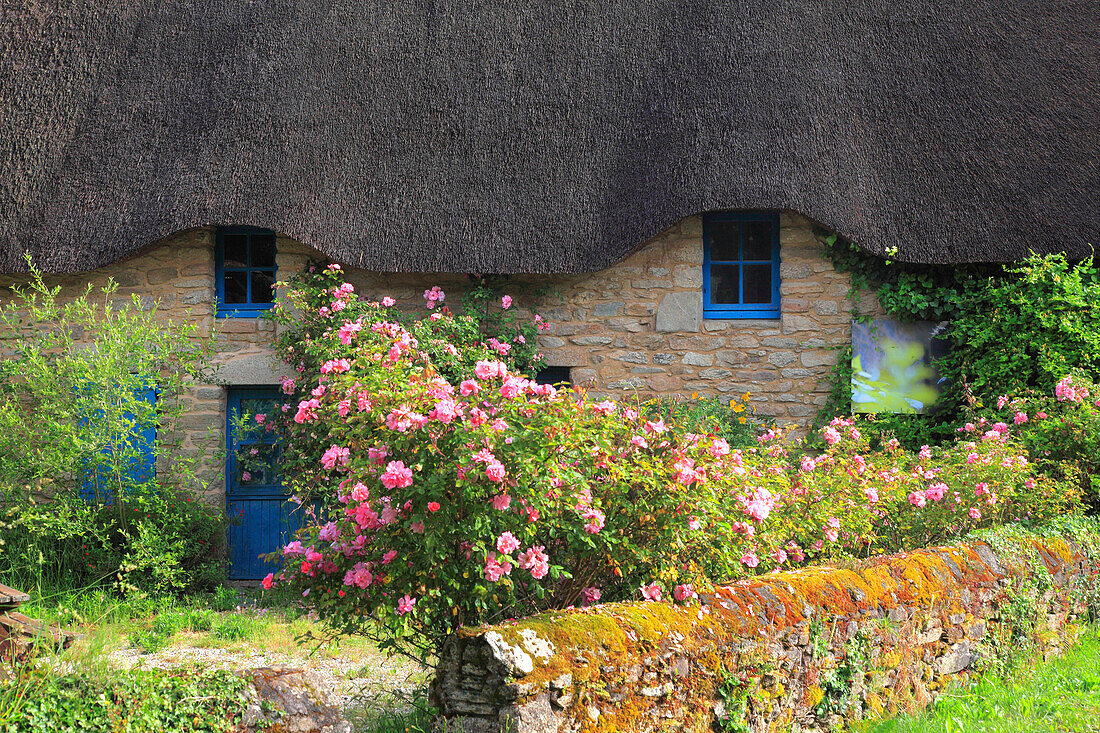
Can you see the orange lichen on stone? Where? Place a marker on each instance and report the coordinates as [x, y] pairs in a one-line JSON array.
[[657, 666]]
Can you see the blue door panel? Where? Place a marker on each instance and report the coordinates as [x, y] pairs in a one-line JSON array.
[[264, 519], [265, 525]]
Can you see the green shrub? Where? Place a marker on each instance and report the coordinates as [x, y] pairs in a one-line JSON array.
[[1061, 430], [1027, 329], [131, 700], [76, 380]]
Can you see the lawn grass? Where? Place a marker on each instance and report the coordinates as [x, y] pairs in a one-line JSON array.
[[115, 635], [230, 619], [1058, 696]]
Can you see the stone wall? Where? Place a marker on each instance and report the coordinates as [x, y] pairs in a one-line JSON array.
[[636, 327], [799, 651]]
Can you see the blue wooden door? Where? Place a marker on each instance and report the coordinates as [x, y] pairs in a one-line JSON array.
[[263, 518]]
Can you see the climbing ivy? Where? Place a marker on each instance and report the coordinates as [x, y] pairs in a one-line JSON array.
[[1011, 328], [908, 291]]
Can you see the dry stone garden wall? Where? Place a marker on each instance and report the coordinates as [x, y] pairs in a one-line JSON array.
[[799, 651]]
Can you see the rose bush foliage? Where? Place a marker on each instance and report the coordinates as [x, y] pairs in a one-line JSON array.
[[460, 492], [1061, 430]]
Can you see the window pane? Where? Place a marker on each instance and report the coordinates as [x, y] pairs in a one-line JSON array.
[[236, 250], [263, 282], [258, 405], [236, 287], [758, 283], [257, 464], [723, 284], [723, 239], [758, 240], [263, 250]]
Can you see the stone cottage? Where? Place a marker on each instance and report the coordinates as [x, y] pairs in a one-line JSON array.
[[658, 170]]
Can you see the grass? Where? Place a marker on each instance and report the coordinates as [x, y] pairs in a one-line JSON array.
[[390, 716], [240, 623], [1062, 696], [228, 619]]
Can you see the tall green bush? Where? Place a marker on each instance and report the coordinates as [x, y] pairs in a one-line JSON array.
[[1027, 329], [75, 421]]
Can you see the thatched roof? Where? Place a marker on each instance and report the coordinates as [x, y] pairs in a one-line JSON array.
[[459, 135]]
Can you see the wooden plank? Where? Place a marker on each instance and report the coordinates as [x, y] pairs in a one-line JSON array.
[[9, 596], [23, 627]]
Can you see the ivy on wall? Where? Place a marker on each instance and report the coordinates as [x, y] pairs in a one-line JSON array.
[[1013, 328]]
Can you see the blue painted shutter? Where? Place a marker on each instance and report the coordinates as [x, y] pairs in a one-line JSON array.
[[141, 465]]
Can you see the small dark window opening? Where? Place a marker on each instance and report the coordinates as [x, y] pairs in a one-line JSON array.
[[245, 271], [555, 375]]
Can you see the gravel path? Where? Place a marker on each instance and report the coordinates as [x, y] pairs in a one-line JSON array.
[[368, 679]]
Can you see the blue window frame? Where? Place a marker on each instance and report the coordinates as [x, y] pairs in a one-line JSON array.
[[741, 264], [244, 272]]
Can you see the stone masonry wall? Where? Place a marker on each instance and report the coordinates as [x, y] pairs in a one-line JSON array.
[[634, 327], [638, 325], [798, 651]]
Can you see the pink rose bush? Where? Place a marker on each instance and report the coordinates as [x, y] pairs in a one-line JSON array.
[[457, 491], [1061, 431]]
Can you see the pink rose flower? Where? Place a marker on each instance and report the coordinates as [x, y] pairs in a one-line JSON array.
[[335, 455], [495, 471], [405, 605], [651, 592], [397, 476], [335, 366], [536, 561], [507, 543], [506, 302], [683, 592]]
